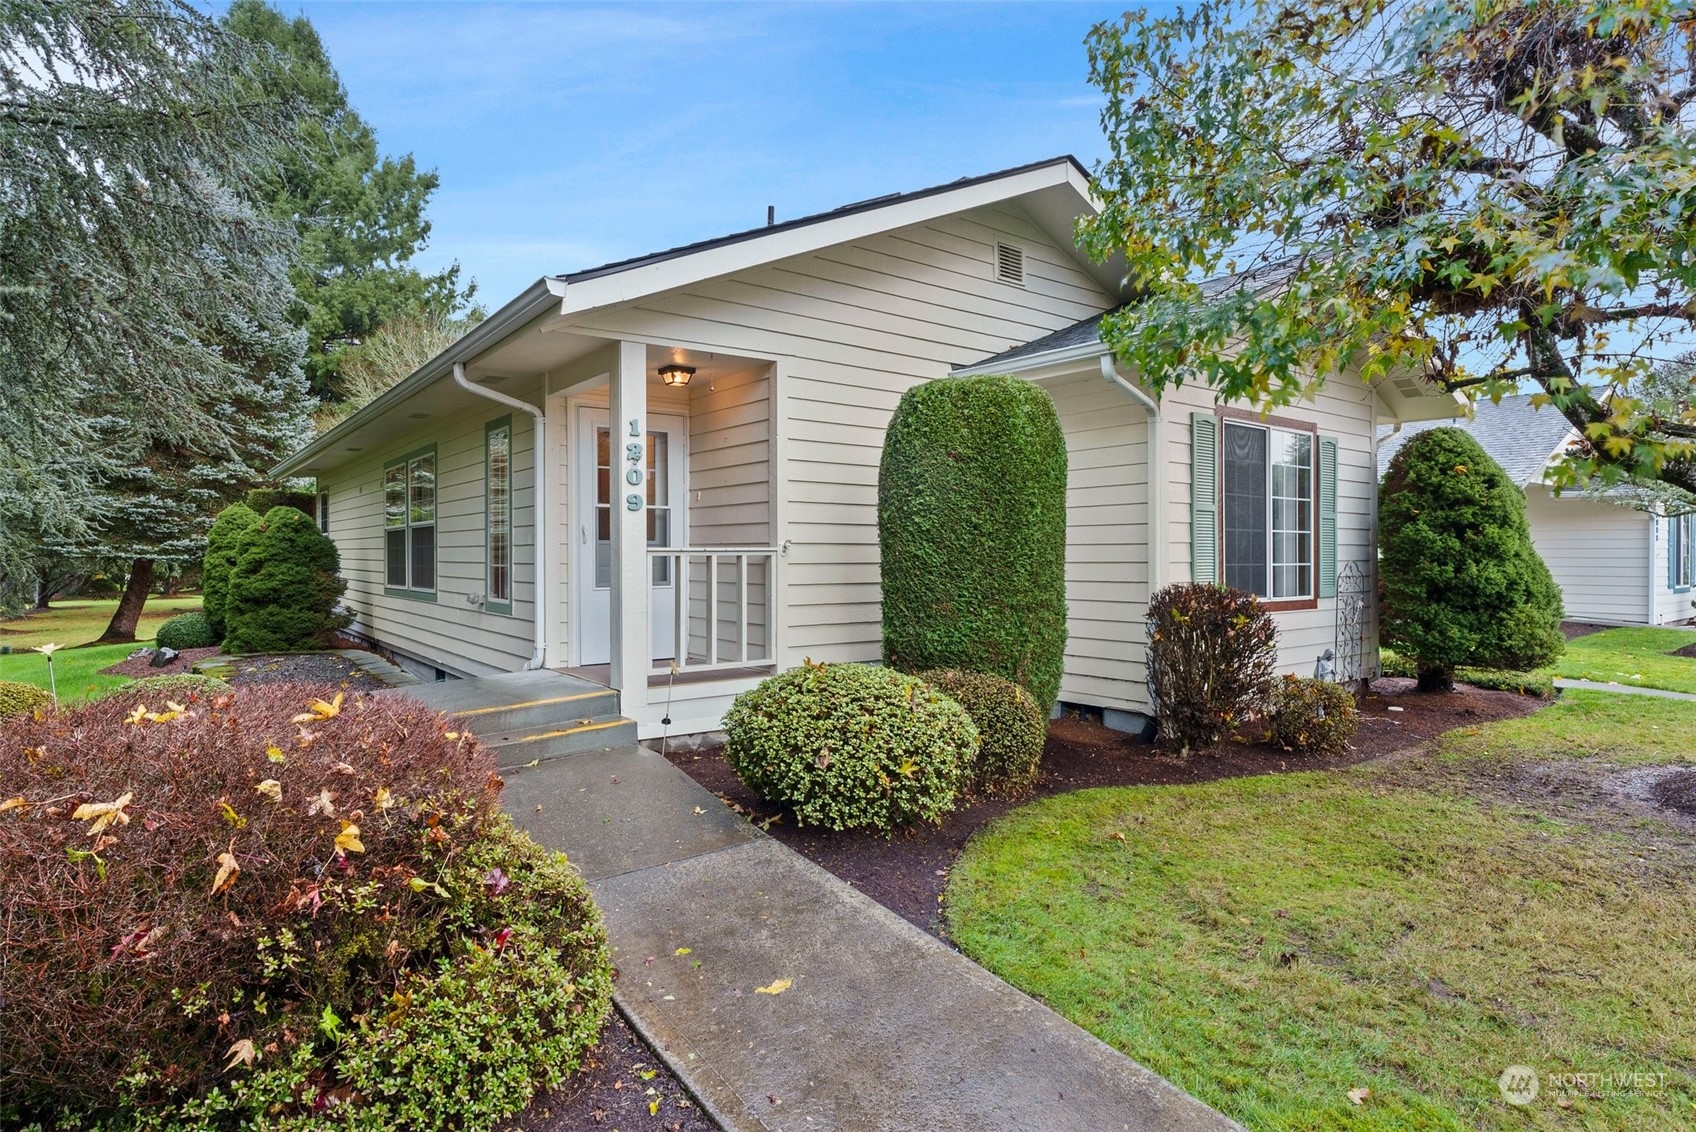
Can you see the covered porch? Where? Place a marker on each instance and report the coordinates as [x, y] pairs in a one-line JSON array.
[[658, 530]]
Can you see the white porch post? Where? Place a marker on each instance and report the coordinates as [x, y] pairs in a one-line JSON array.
[[632, 640]]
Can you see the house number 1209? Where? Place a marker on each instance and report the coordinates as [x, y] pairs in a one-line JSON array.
[[633, 475]]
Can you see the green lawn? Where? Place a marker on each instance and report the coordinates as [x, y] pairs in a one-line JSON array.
[[1272, 943], [1632, 656], [78, 622], [72, 623]]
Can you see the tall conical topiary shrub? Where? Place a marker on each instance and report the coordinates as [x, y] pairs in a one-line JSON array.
[[285, 586], [221, 543], [1462, 583], [972, 529]]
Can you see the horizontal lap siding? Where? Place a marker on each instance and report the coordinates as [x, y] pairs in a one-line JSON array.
[[1596, 553], [450, 631], [1106, 542], [851, 328], [1342, 409]]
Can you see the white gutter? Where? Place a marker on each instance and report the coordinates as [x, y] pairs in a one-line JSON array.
[[1158, 551], [538, 466]]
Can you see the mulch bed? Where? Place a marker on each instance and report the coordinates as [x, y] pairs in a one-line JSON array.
[[907, 872], [288, 668], [619, 1080], [1677, 792], [142, 666]]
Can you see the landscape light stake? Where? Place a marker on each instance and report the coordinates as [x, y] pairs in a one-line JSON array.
[[52, 683]]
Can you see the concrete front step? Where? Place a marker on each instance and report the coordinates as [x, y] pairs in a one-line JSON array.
[[569, 737], [531, 717]]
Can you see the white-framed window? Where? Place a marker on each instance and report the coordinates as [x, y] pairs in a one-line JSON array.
[[1681, 551], [1267, 500], [324, 511], [409, 521], [497, 481]]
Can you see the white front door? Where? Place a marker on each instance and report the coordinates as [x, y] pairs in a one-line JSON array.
[[595, 468]]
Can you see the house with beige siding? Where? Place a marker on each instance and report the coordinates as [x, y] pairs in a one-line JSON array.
[[1618, 559], [661, 474]]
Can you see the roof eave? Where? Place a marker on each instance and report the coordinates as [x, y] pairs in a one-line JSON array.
[[535, 300]]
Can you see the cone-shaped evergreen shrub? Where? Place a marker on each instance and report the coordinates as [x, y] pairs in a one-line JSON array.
[[1462, 583], [972, 529], [285, 586], [232, 522]]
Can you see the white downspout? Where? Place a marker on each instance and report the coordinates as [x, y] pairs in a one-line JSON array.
[[1654, 602], [539, 658], [1158, 550]]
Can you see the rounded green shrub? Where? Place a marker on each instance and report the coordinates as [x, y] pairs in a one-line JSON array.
[[221, 546], [851, 746], [1011, 728], [262, 499], [176, 685], [230, 928], [192, 630], [1212, 658], [1461, 583], [1312, 717], [285, 586], [972, 532], [22, 699]]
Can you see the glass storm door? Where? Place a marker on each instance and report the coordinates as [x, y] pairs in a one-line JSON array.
[[599, 468]]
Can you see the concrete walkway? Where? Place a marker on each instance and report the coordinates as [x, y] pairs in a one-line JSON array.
[[787, 1000], [1628, 689]]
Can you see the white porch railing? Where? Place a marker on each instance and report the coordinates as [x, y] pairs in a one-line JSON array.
[[724, 615]]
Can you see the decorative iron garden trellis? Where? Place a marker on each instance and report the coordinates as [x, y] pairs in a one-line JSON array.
[[1349, 667]]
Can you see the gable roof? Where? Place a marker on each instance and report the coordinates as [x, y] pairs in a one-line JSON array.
[[1517, 435], [1052, 192]]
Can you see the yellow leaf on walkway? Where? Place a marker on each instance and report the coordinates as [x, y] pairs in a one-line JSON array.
[[778, 987]]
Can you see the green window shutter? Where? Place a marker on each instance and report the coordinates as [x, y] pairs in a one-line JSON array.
[[1327, 516], [1204, 498]]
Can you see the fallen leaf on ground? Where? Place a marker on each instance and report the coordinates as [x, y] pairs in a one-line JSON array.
[[1358, 1096], [242, 1052], [318, 710], [777, 987], [347, 841], [103, 814], [323, 804], [228, 870], [271, 788], [681, 951], [17, 803]]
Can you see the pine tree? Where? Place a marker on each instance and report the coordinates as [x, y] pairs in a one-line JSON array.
[[359, 215]]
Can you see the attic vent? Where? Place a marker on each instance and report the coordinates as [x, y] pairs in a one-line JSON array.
[[1010, 264]]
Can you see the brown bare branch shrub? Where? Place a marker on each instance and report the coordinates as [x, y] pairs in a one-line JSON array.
[[239, 894], [1212, 657]]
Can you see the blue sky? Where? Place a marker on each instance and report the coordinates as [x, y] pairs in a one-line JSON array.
[[568, 135]]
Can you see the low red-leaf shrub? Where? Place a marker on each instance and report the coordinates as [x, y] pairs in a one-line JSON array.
[[192, 890], [1212, 658]]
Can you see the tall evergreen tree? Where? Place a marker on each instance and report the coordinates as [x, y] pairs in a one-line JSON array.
[[359, 215], [133, 267]]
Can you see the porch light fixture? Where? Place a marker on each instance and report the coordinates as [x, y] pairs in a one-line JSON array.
[[675, 374]]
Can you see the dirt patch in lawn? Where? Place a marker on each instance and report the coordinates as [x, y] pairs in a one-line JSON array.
[[907, 872], [141, 667], [1687, 650], [1573, 629], [1677, 791]]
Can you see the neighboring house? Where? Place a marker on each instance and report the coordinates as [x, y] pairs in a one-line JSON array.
[[1615, 564], [679, 455]]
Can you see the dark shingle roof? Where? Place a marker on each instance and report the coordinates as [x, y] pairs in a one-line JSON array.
[[1089, 330], [817, 218], [1518, 436]]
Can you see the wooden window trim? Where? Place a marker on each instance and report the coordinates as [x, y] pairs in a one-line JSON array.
[[1288, 424]]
